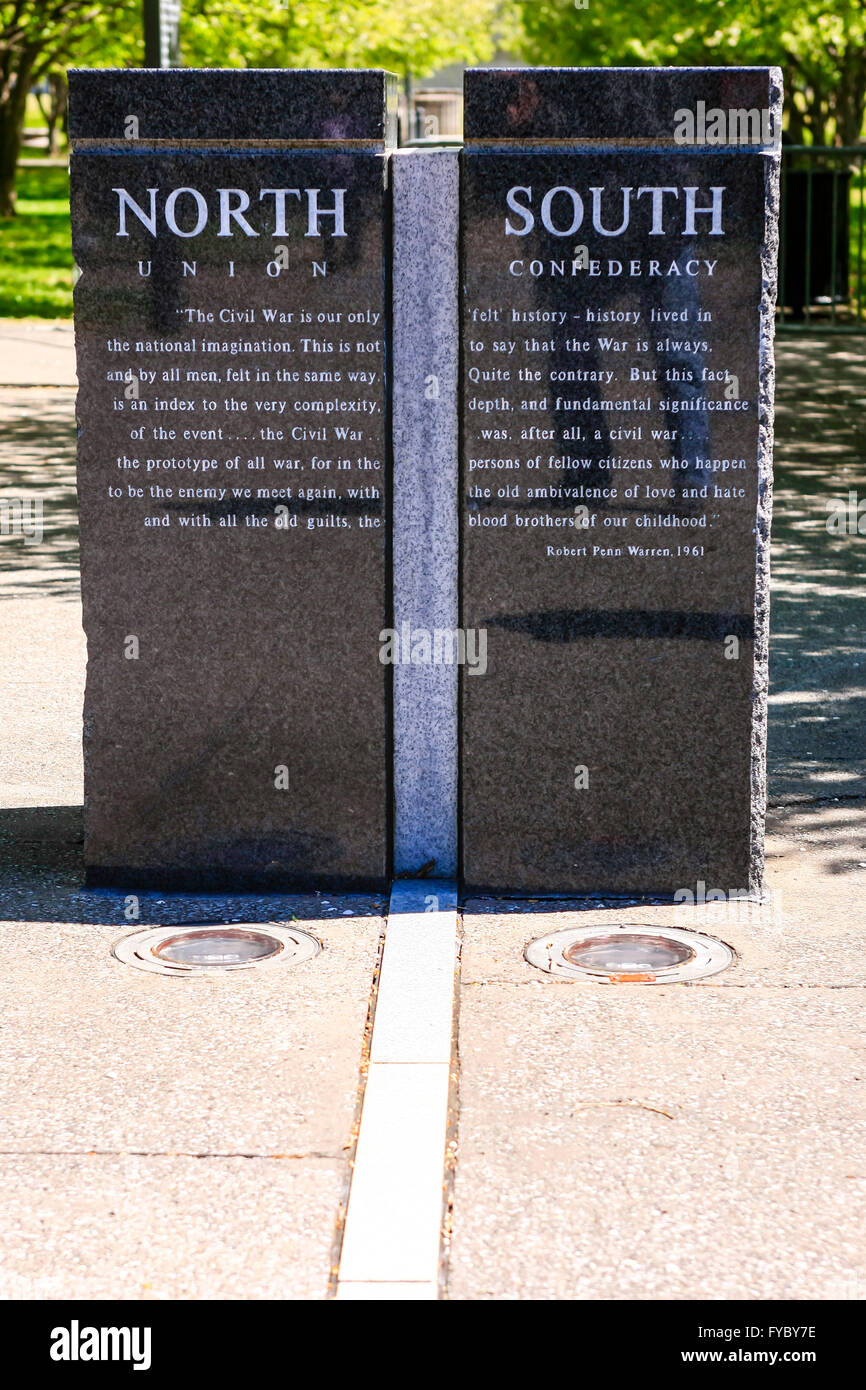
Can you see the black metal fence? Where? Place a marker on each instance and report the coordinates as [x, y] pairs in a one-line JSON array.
[[821, 270]]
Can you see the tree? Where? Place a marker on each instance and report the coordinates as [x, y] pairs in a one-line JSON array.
[[820, 46], [415, 36], [38, 37], [53, 104], [823, 53]]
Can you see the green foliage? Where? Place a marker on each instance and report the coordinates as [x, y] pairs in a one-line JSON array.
[[35, 248], [38, 37], [418, 35], [820, 46], [41, 35]]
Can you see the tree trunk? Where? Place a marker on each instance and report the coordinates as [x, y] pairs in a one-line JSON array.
[[56, 109], [12, 109], [10, 143], [851, 98]]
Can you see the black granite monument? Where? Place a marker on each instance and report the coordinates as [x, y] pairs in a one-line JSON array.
[[619, 260], [230, 227]]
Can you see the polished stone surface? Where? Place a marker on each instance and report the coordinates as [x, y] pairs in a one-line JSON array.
[[424, 424], [233, 508], [604, 103], [617, 398], [218, 104]]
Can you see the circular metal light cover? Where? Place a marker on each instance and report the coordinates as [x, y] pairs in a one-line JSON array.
[[644, 955], [197, 948]]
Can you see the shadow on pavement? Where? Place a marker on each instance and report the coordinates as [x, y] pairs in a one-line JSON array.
[[37, 461], [42, 880], [817, 738]]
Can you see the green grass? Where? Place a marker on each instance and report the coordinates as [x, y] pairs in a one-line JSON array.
[[36, 250], [33, 117], [857, 238]]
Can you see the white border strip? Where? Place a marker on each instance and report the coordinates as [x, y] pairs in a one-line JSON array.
[[392, 1235]]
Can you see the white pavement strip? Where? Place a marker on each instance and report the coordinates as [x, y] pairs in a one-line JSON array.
[[393, 1225]]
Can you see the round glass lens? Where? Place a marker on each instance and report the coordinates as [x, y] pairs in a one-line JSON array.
[[221, 946], [622, 954]]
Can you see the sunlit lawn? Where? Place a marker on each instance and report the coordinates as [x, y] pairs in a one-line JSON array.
[[35, 248], [856, 242]]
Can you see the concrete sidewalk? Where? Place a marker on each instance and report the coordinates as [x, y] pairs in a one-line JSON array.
[[37, 352], [161, 1138], [703, 1141], [189, 1139], [170, 1138]]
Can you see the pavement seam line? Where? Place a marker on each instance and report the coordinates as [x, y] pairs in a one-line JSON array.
[[351, 1148], [703, 985], [161, 1153], [393, 1233]]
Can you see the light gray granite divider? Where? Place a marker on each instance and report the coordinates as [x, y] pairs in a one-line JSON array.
[[425, 425]]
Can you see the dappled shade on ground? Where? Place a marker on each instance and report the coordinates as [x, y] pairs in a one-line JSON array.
[[817, 745]]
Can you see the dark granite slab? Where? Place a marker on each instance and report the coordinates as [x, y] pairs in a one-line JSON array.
[[234, 515], [615, 744], [233, 104], [603, 103]]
